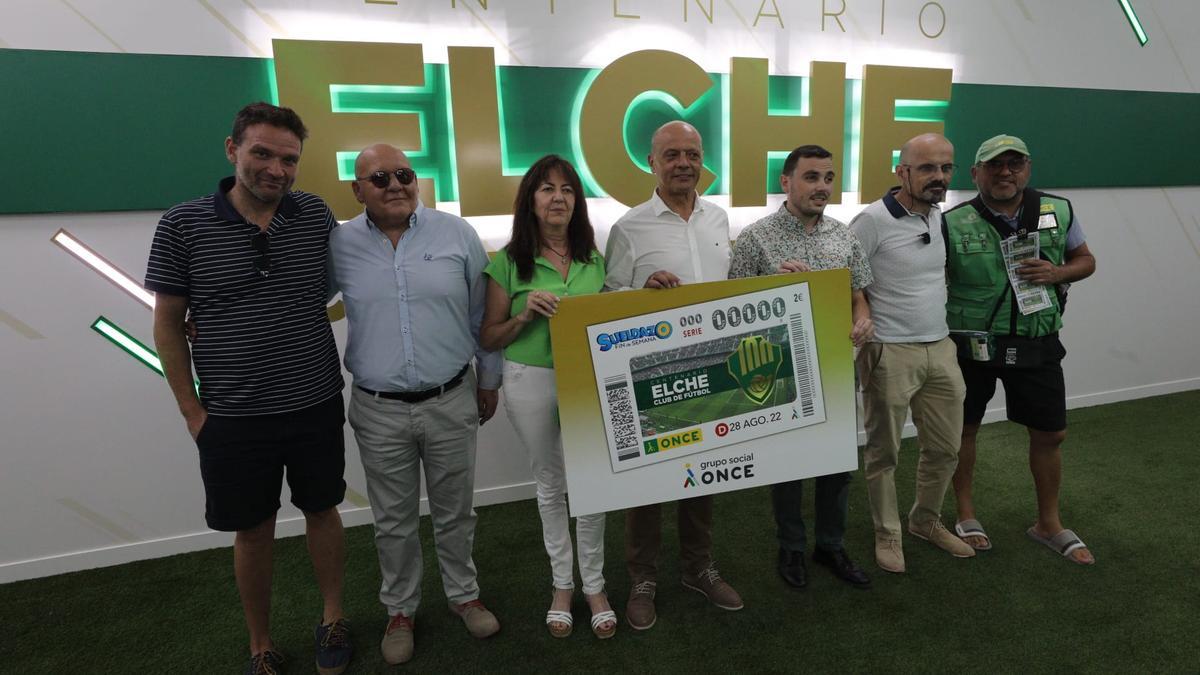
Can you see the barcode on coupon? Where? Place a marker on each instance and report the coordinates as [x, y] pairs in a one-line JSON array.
[[620, 417], [804, 380]]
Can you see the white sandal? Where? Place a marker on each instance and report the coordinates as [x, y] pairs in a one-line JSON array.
[[558, 617], [601, 618]]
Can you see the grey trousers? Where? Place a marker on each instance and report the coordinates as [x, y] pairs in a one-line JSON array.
[[394, 440]]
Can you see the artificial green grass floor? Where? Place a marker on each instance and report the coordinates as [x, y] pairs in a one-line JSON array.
[[1130, 470]]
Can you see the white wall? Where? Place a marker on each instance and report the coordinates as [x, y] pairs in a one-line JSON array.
[[95, 465]]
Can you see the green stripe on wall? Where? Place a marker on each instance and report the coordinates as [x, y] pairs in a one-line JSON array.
[[117, 132], [1082, 137], [109, 132]]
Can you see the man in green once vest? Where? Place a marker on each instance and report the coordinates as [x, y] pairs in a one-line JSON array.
[[1011, 252]]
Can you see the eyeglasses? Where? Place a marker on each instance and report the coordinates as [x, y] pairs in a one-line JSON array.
[[382, 179], [1014, 164], [927, 169], [262, 245]]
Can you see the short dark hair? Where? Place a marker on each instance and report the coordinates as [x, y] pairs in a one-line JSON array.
[[794, 156], [265, 113], [526, 241]]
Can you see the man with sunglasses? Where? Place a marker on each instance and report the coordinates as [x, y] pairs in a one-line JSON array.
[[247, 266], [1023, 349], [910, 364], [412, 281]]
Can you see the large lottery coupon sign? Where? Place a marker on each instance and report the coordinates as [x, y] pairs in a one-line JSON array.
[[704, 388], [737, 369]]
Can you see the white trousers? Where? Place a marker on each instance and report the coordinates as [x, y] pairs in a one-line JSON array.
[[531, 399]]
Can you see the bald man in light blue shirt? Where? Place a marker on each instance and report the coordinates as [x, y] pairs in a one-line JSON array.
[[411, 279]]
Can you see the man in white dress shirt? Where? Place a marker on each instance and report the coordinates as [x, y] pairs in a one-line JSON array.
[[674, 238]]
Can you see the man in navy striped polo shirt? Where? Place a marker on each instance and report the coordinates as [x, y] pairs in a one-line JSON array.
[[247, 265]]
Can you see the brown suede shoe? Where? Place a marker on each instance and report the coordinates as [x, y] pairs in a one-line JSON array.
[[397, 645], [937, 534], [888, 555], [712, 586], [639, 610], [480, 622]]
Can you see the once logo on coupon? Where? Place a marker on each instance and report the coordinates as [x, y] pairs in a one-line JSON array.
[[675, 440], [754, 366], [722, 470], [661, 330]]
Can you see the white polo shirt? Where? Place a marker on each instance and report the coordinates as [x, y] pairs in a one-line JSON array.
[[652, 237], [908, 297]]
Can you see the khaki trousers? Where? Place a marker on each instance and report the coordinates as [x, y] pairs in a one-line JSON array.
[[895, 378]]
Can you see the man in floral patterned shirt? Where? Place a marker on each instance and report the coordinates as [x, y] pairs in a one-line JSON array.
[[799, 237]]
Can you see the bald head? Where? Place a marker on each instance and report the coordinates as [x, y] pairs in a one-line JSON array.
[[925, 168], [396, 201], [671, 132], [677, 159], [925, 144], [377, 154]]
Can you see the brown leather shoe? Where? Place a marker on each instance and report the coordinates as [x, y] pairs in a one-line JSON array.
[[710, 584], [480, 622], [937, 534], [639, 610], [397, 645]]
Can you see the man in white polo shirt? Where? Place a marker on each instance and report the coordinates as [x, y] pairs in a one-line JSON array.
[[911, 363], [674, 238]]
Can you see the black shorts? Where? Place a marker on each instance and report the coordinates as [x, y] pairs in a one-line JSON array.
[[1035, 397], [242, 461]]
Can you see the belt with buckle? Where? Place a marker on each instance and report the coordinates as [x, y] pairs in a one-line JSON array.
[[418, 396]]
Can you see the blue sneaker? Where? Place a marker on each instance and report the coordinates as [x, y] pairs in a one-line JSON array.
[[266, 662], [333, 647]]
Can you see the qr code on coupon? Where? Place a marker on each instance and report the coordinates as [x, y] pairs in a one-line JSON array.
[[620, 418]]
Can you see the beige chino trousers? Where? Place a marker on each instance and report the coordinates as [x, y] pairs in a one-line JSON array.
[[923, 378]]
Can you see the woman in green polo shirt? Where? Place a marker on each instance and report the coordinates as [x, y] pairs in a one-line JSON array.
[[552, 254]]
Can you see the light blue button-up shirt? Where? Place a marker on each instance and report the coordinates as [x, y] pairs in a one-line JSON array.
[[414, 310]]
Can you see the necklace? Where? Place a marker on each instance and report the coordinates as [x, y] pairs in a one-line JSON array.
[[565, 258]]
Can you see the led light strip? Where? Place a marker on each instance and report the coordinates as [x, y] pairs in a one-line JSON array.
[[106, 269], [128, 343], [1134, 22]]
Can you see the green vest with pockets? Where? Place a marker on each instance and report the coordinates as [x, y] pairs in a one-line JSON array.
[[979, 296]]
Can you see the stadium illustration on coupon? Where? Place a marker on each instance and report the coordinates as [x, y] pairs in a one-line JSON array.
[[700, 377]]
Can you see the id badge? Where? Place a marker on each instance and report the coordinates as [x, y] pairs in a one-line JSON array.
[[981, 346], [1048, 221]]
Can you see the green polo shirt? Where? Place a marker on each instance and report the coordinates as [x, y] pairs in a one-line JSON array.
[[532, 346]]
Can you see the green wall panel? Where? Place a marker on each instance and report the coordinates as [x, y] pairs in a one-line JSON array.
[[109, 132], [116, 132], [1082, 137]]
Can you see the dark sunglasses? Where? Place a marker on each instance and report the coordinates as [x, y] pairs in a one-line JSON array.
[[262, 245], [382, 179]]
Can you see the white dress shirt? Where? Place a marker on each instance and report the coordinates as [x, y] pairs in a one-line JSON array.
[[652, 237]]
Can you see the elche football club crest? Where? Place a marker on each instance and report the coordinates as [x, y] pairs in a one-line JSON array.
[[754, 365]]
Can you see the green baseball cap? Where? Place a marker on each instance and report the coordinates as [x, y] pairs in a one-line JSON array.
[[997, 145]]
